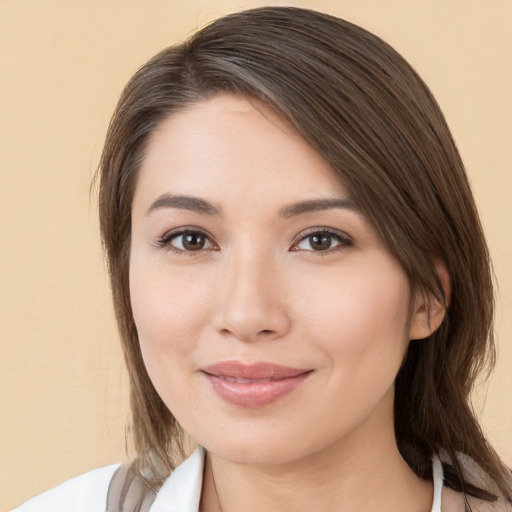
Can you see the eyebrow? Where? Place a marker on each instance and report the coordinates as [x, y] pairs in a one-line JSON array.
[[194, 204], [316, 205], [203, 207]]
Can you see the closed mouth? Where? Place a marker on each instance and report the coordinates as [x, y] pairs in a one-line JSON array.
[[253, 385]]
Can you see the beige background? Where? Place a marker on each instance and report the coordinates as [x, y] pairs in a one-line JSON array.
[[62, 65]]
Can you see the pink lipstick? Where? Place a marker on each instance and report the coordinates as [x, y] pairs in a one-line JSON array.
[[253, 385]]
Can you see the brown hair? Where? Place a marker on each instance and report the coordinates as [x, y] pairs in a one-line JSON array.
[[365, 110]]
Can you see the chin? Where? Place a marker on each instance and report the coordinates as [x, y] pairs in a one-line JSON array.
[[265, 448]]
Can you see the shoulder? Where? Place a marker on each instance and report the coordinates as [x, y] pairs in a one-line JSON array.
[[454, 502], [499, 505], [84, 493], [88, 492]]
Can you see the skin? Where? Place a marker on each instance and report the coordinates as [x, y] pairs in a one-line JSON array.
[[259, 291]]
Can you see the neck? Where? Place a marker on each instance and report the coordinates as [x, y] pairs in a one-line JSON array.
[[359, 472]]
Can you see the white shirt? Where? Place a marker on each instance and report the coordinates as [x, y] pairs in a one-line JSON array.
[[180, 492]]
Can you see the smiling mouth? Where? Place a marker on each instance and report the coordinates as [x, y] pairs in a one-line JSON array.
[[254, 385]]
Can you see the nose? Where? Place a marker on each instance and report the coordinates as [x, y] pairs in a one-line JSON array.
[[251, 303]]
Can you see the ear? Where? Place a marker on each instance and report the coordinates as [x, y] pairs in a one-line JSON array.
[[428, 312]]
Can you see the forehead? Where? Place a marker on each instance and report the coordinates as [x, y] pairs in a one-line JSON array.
[[227, 148]]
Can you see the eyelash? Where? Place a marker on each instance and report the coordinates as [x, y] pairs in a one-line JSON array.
[[343, 239], [165, 241]]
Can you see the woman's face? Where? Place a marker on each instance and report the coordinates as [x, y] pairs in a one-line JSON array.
[[271, 317]]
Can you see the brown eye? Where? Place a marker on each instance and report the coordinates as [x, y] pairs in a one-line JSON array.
[[322, 241], [194, 241], [190, 241]]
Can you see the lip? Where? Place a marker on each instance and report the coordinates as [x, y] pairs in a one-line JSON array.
[[253, 385]]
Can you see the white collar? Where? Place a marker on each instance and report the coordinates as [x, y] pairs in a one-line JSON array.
[[181, 492]]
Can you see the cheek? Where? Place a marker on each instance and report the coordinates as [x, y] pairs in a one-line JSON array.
[[169, 309], [170, 312], [361, 326], [359, 315]]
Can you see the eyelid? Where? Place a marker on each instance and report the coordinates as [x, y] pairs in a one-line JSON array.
[[165, 239], [344, 239]]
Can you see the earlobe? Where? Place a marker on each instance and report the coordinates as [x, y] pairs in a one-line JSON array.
[[428, 310]]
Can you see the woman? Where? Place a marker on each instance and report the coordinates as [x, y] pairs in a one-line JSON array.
[[300, 279]]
